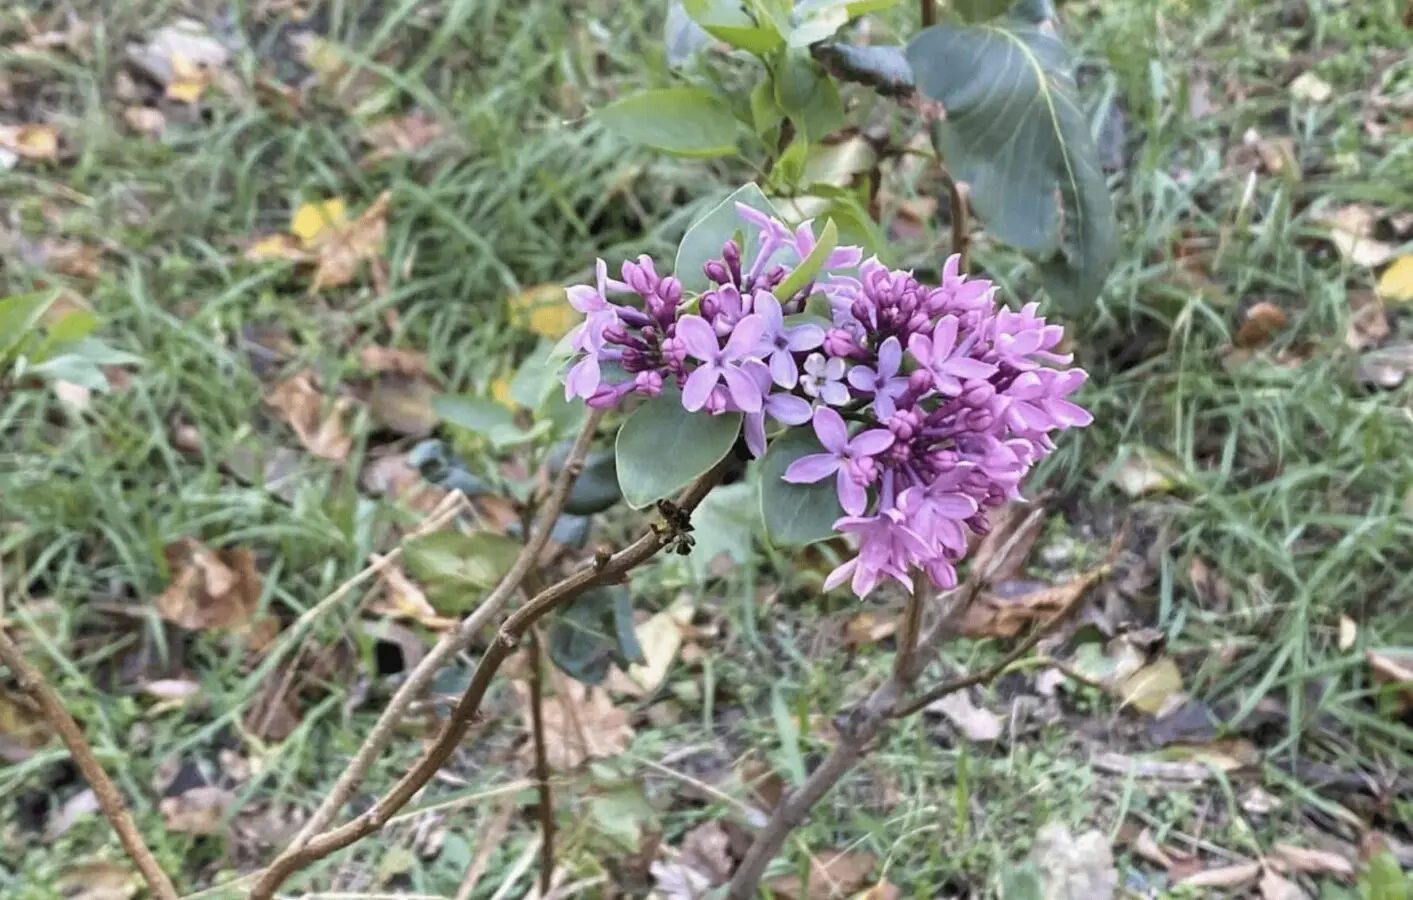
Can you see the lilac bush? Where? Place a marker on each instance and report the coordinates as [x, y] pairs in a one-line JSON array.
[[929, 404]]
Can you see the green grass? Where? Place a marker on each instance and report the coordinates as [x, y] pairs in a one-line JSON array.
[[1291, 481]]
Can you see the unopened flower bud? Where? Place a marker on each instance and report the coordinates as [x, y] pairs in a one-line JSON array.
[[649, 384], [838, 342], [670, 290], [716, 272]]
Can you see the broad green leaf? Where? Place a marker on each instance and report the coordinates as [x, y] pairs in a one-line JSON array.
[[821, 24], [72, 368], [101, 354], [74, 326], [885, 69], [662, 447], [807, 94], [1382, 879], [1014, 132], [727, 20], [809, 267], [856, 226], [452, 559], [476, 414], [594, 632], [19, 316], [705, 238], [796, 514], [596, 488], [765, 113], [682, 37], [687, 121], [622, 813], [534, 379]]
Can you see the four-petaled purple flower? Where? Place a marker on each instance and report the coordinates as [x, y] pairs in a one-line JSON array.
[[884, 384], [720, 363], [852, 459], [887, 546], [946, 359], [824, 379], [782, 342]]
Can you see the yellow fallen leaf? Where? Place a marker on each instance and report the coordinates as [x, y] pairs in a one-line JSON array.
[[276, 246], [544, 310], [1396, 284], [1149, 689], [36, 142], [313, 219], [189, 80], [661, 638]]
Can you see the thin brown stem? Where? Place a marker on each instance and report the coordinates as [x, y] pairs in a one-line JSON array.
[[929, 12], [542, 771], [603, 570], [910, 628], [961, 222], [32, 682]]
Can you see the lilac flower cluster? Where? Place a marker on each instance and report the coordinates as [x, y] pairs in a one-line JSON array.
[[929, 403]]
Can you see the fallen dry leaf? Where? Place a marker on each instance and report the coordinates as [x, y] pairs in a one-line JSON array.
[[866, 628], [1387, 367], [391, 477], [72, 258], [23, 728], [340, 250], [310, 220], [1146, 846], [76, 397], [1274, 887], [1262, 322], [145, 120], [544, 310], [996, 614], [390, 361], [1002, 553], [38, 143], [79, 806], [349, 84], [172, 689], [300, 404], [1224, 877], [100, 881], [677, 880], [1394, 667], [1352, 229], [276, 246], [1315, 862], [1396, 284], [975, 723], [660, 637], [1225, 754], [402, 599], [178, 49], [580, 725], [189, 80], [1151, 688], [400, 135], [707, 849], [1348, 633], [1146, 471], [1074, 868], [833, 875], [1277, 155], [209, 588], [1368, 323], [403, 404], [200, 810]]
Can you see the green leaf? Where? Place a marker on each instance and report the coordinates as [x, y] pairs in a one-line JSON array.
[[765, 114], [728, 21], [100, 353], [686, 121], [788, 731], [452, 559], [1022, 882], [821, 23], [808, 96], [856, 226], [72, 368], [796, 514], [1382, 879], [594, 632], [75, 326], [662, 447], [1014, 132], [809, 267], [974, 11], [476, 414], [704, 239], [534, 379], [19, 316]]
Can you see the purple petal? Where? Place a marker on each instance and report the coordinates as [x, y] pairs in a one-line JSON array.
[[583, 379], [584, 298], [890, 358], [852, 495], [745, 337], [805, 337], [814, 364], [863, 379], [788, 409], [1068, 414], [812, 468], [744, 390], [921, 349], [697, 335], [840, 574], [834, 393], [944, 336], [698, 387], [969, 368], [834, 369], [865, 580], [953, 506], [756, 217], [783, 370], [755, 434], [844, 258], [883, 405], [768, 308], [829, 428], [871, 443]]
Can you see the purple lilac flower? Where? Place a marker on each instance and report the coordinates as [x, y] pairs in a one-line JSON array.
[[720, 363], [884, 383], [824, 379], [851, 459], [955, 398]]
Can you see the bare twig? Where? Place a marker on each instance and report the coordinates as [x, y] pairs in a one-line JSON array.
[[603, 570], [451, 643], [32, 682], [542, 772], [961, 221], [911, 626], [859, 727]]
